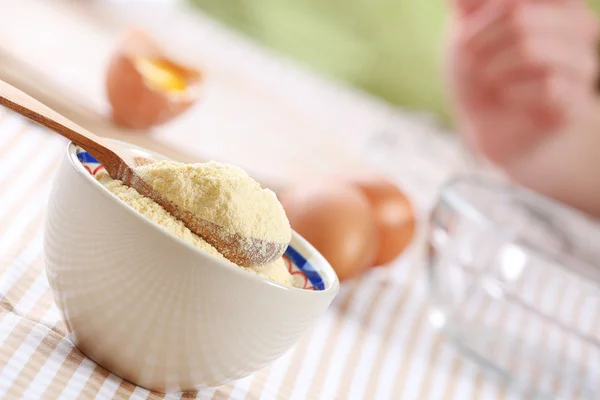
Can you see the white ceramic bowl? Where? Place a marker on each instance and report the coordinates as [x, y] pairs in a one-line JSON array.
[[155, 310]]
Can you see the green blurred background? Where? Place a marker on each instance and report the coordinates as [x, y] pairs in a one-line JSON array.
[[390, 48]]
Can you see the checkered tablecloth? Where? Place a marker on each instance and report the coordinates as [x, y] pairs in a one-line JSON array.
[[374, 342]]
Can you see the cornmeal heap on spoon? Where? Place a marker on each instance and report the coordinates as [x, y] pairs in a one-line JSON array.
[[229, 200]]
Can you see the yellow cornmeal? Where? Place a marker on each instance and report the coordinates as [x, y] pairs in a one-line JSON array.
[[276, 271], [222, 194]]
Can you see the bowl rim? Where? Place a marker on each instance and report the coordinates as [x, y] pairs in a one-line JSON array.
[[569, 258], [328, 275]]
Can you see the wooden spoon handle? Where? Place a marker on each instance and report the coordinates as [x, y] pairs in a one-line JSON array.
[[22, 103]]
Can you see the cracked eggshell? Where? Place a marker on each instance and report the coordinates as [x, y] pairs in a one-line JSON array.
[[137, 103]]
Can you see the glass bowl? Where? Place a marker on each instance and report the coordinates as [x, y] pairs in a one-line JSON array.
[[514, 283]]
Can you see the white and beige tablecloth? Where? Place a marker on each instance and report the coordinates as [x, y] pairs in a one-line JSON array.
[[375, 342]]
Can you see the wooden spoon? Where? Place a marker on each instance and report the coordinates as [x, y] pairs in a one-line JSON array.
[[120, 163]]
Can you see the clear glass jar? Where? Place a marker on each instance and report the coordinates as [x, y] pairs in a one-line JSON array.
[[515, 284], [514, 277]]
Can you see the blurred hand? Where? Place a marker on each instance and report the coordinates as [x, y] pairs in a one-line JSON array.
[[521, 71]]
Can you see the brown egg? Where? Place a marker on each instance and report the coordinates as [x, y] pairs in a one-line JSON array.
[[393, 212], [144, 87], [337, 220]]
